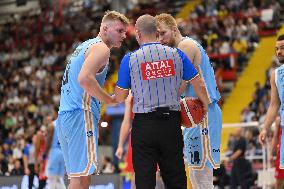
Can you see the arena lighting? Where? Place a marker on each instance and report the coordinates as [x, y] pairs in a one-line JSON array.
[[104, 124]]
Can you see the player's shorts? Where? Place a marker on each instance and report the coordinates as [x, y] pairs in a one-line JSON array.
[[78, 137], [202, 142], [55, 163]]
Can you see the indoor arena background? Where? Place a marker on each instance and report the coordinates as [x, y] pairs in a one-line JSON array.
[[38, 36]]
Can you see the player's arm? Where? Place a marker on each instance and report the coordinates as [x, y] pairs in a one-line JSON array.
[[192, 51], [50, 132], [123, 83], [95, 59], [274, 140], [275, 133], [125, 126], [191, 75], [272, 111]]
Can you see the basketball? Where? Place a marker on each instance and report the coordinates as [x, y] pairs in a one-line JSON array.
[[192, 111]]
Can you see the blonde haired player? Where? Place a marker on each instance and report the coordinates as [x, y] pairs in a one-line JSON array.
[[81, 94], [202, 142]]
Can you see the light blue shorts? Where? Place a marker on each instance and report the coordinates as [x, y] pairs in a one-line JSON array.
[[281, 166], [78, 137], [55, 163], [202, 142]]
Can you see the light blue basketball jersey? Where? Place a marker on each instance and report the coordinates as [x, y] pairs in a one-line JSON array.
[[279, 82], [207, 73], [202, 142], [73, 96]]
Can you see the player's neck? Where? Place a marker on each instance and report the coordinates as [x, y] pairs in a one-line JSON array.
[[104, 39], [178, 39]]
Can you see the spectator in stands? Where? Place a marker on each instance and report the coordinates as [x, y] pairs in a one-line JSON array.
[[17, 151], [252, 31], [241, 170], [260, 113], [10, 165], [6, 150], [258, 91], [253, 105], [250, 143], [240, 46], [3, 165], [247, 115], [18, 169]]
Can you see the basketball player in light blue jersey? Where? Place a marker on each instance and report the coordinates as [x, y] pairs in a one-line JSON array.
[[276, 105], [81, 95], [55, 163], [201, 142]]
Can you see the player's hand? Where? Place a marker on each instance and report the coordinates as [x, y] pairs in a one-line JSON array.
[[262, 136], [112, 101], [119, 152]]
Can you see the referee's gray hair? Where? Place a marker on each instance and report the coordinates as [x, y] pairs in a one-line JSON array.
[[146, 24]]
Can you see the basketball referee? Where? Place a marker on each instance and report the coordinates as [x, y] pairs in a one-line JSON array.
[[154, 73]]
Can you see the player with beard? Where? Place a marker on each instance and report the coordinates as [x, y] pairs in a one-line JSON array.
[[277, 98], [201, 142], [81, 97]]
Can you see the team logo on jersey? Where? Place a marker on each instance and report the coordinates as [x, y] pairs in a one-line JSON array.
[[216, 150], [204, 131], [157, 69], [90, 133]]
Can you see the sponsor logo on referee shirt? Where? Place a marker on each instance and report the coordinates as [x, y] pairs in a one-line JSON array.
[[158, 69]]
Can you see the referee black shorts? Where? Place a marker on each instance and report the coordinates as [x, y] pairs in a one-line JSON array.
[[157, 139]]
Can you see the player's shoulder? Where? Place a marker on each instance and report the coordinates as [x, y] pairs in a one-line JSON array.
[[100, 47], [188, 43]]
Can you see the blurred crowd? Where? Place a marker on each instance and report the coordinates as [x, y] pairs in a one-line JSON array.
[[256, 111], [34, 47]]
